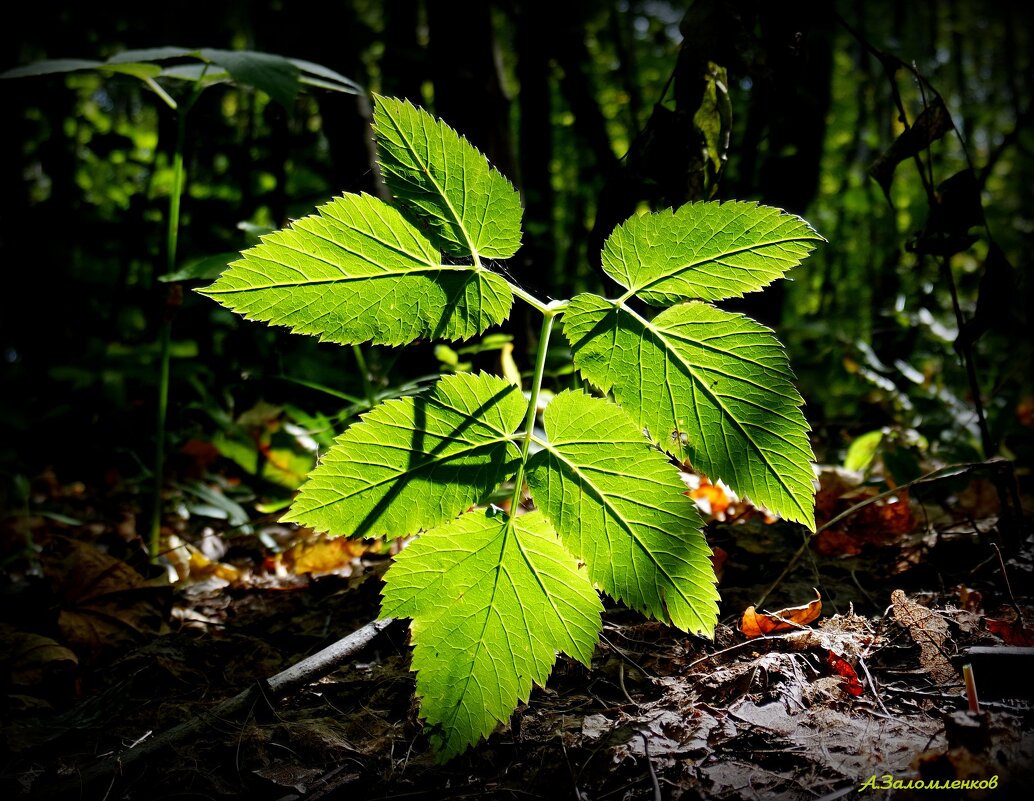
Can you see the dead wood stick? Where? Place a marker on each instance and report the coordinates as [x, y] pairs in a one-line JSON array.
[[281, 685]]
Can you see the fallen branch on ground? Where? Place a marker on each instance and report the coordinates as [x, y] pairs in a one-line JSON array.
[[281, 685]]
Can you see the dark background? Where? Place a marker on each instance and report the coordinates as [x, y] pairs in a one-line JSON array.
[[594, 110]]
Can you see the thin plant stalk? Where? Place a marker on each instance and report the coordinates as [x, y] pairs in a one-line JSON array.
[[165, 334], [549, 317]]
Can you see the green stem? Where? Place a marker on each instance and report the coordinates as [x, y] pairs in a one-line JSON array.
[[550, 313], [364, 375], [534, 302], [165, 335]]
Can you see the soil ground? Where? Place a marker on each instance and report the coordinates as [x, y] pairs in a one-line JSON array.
[[102, 654]]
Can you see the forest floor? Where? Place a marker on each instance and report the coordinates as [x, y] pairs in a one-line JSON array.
[[100, 655]]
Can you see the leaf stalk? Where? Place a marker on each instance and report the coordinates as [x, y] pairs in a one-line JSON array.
[[549, 314]]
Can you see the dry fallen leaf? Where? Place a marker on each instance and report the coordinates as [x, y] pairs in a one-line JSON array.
[[929, 631], [325, 554], [757, 624], [1012, 632], [843, 668]]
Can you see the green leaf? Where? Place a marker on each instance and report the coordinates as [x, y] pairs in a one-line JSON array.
[[493, 599], [619, 505], [707, 251], [862, 450], [357, 271], [152, 54], [716, 378], [415, 462], [206, 267], [274, 75], [314, 74], [445, 183], [51, 67]]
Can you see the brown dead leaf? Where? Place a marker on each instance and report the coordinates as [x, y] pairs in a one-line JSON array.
[[755, 624], [929, 631], [880, 523], [719, 556], [105, 603], [30, 660]]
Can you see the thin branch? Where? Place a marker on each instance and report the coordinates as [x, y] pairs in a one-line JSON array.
[[281, 685]]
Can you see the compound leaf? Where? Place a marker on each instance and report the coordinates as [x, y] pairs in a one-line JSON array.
[[415, 462], [445, 183], [711, 380], [620, 506], [705, 251], [493, 599], [357, 271]]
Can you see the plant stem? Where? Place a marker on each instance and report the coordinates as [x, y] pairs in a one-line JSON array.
[[364, 375], [534, 302], [165, 335], [549, 313]]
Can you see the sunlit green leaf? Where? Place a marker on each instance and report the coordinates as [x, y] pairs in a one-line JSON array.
[[863, 450], [707, 251], [619, 505], [357, 271], [445, 183], [716, 379], [415, 462], [493, 599]]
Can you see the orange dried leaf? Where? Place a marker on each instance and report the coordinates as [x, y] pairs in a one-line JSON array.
[[323, 555], [716, 498], [757, 624]]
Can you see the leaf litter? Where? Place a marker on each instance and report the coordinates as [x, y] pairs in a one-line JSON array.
[[871, 687]]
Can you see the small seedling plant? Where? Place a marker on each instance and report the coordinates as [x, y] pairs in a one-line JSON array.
[[495, 595]]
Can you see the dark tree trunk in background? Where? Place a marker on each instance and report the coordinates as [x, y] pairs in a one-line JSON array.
[[537, 257], [468, 91], [338, 44], [469, 96], [782, 147], [404, 66]]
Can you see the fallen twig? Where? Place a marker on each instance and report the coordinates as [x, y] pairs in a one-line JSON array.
[[279, 686]]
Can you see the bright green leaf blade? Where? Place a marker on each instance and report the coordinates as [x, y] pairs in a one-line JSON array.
[[619, 505], [415, 462], [356, 271], [708, 251], [862, 451], [274, 75], [493, 599], [445, 183], [719, 379]]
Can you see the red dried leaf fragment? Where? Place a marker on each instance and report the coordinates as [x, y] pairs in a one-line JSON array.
[[1012, 632], [843, 668], [757, 624]]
